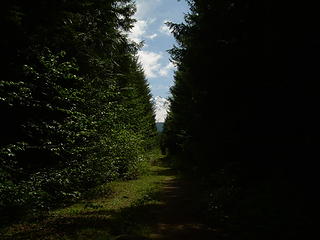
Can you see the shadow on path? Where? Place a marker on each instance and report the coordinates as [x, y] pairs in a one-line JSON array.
[[180, 215]]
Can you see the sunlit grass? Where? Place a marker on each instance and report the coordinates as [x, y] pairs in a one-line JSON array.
[[120, 207], [123, 194]]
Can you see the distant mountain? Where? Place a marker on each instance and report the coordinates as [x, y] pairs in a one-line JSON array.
[[159, 126], [161, 107]]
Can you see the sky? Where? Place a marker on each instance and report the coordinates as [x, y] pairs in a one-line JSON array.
[[150, 27]]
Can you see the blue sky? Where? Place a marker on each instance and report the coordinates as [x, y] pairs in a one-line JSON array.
[[150, 27]]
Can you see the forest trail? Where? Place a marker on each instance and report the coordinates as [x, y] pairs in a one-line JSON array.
[[157, 206], [180, 214]]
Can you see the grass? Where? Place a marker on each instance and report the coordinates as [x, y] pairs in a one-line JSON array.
[[117, 208]]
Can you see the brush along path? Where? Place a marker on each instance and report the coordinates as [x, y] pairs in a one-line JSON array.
[[158, 206]]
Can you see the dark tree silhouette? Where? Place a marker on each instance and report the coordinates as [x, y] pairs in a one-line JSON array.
[[243, 110]]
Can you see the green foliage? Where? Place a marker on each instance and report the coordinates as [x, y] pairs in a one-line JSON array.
[[109, 210], [74, 101]]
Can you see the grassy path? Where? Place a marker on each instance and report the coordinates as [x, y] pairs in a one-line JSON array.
[[157, 206]]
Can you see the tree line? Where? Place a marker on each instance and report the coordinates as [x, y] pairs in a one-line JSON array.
[[74, 101], [243, 118]]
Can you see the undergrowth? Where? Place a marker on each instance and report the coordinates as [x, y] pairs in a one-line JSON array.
[[110, 210]]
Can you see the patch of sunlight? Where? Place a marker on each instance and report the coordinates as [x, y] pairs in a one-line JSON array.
[[125, 194]]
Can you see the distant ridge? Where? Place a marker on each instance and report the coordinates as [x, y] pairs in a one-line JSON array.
[[159, 126]]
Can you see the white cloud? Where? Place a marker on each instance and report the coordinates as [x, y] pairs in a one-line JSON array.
[[164, 28], [161, 107], [152, 36], [150, 62], [145, 7], [165, 71], [138, 30]]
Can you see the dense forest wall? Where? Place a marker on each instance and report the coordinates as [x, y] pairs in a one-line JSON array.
[[74, 102], [242, 108]]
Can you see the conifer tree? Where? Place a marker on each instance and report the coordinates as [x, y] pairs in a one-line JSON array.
[[238, 112], [74, 101]]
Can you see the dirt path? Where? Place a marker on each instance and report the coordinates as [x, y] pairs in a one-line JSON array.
[[180, 215]]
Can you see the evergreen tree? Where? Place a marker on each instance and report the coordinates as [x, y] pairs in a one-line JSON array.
[[238, 109], [75, 104]]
